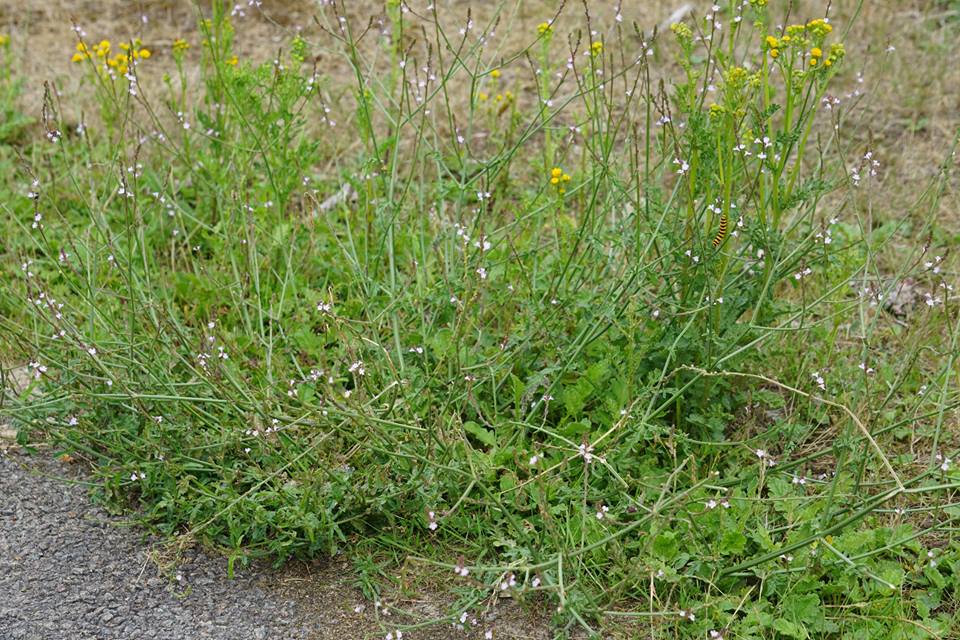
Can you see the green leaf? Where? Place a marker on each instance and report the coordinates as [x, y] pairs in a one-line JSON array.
[[732, 543], [805, 608], [485, 436], [935, 577], [666, 545], [790, 629]]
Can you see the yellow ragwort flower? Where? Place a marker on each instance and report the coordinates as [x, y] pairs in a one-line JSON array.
[[83, 53], [180, 45], [544, 28], [819, 27], [558, 178]]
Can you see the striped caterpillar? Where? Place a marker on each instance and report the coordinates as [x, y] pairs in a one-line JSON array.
[[722, 232]]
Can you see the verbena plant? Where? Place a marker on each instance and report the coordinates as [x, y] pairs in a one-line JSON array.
[[600, 321]]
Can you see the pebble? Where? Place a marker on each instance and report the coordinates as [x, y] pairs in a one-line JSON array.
[[67, 570]]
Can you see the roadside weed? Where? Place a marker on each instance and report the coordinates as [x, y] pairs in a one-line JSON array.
[[617, 321]]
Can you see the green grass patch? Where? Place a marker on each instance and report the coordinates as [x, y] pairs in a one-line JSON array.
[[619, 323]]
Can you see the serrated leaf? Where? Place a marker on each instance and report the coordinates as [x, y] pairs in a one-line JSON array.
[[483, 435], [732, 543], [665, 545]]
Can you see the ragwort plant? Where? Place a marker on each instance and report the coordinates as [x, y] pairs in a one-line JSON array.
[[594, 322]]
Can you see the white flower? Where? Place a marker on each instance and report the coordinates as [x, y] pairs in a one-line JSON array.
[[586, 452], [819, 380]]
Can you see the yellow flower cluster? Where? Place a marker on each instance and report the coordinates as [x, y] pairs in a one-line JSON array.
[[774, 46], [596, 48], [804, 35], [83, 53], [558, 179], [819, 28], [836, 53], [128, 55], [180, 45], [544, 28], [736, 77], [682, 31], [815, 54], [4, 39]]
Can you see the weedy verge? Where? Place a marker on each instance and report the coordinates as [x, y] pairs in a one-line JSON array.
[[617, 322]]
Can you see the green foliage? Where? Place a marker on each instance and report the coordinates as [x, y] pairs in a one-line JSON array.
[[13, 122], [416, 342]]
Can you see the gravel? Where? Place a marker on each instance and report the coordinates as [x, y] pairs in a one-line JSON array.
[[68, 569]]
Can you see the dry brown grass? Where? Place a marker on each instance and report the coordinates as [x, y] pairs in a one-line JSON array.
[[913, 94]]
